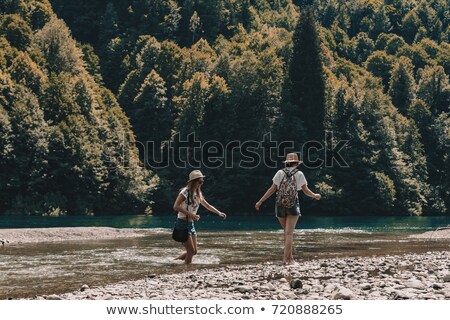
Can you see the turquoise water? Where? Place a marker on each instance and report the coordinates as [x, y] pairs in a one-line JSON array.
[[212, 222]]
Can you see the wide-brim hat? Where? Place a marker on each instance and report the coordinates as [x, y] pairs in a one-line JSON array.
[[292, 157], [196, 174]]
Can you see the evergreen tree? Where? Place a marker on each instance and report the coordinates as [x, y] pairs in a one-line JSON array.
[[402, 84], [380, 65], [59, 49], [16, 30], [306, 76], [433, 88], [410, 26], [382, 24], [109, 24], [442, 133], [195, 25], [150, 116]]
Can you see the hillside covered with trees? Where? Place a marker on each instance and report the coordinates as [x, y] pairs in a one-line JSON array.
[[75, 113]]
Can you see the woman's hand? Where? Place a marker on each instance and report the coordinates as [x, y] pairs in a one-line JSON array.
[[222, 215], [257, 205], [193, 216], [317, 196]]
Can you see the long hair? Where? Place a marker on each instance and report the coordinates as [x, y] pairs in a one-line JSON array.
[[192, 187]]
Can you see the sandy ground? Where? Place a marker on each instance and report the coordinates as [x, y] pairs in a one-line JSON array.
[[437, 234], [19, 236]]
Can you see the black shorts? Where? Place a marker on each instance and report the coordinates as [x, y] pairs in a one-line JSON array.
[[282, 212]]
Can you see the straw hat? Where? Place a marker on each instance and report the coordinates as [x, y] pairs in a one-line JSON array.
[[292, 157], [196, 174]]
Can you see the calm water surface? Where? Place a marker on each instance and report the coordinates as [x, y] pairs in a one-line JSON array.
[[45, 268]]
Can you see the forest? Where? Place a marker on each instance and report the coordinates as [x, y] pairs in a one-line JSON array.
[[95, 95]]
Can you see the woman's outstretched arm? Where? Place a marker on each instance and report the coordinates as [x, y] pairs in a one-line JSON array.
[[266, 195], [213, 209], [309, 193]]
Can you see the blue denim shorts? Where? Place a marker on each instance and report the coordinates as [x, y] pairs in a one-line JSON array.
[[183, 224], [282, 212]]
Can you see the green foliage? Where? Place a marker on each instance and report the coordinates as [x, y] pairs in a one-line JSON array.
[[380, 65], [402, 84], [306, 75], [16, 31], [67, 147], [433, 88], [59, 49], [374, 72], [149, 113], [442, 130]]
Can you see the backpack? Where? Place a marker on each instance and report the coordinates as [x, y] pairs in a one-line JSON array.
[[287, 193]]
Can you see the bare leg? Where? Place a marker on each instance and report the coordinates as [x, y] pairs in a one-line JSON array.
[[195, 244], [291, 222], [183, 255], [283, 224], [190, 249]]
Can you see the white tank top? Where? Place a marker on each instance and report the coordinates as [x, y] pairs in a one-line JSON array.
[[193, 205]]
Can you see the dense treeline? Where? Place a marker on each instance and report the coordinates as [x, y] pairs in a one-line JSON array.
[[66, 146], [371, 72]]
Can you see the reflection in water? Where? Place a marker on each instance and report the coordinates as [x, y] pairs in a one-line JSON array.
[[37, 269]]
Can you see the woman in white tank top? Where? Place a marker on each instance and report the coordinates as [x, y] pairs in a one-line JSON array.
[[187, 204]]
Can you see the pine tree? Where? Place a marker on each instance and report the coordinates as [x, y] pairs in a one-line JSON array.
[[16, 30], [150, 117], [402, 84], [195, 25], [306, 76], [433, 88], [59, 48], [109, 24]]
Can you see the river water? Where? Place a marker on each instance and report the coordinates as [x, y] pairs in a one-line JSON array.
[[55, 267]]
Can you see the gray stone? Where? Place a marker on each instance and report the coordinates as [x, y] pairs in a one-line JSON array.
[[53, 297], [446, 278], [84, 287], [415, 284], [296, 284], [244, 289], [365, 286], [405, 266], [437, 286], [343, 294], [318, 288], [403, 295], [389, 271], [350, 275]]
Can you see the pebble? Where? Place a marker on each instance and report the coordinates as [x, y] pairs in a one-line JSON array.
[[371, 278], [365, 286], [416, 284], [296, 284]]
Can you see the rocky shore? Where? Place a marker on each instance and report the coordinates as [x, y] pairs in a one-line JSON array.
[[410, 276]]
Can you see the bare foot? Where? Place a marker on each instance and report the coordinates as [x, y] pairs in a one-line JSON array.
[[181, 257]]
